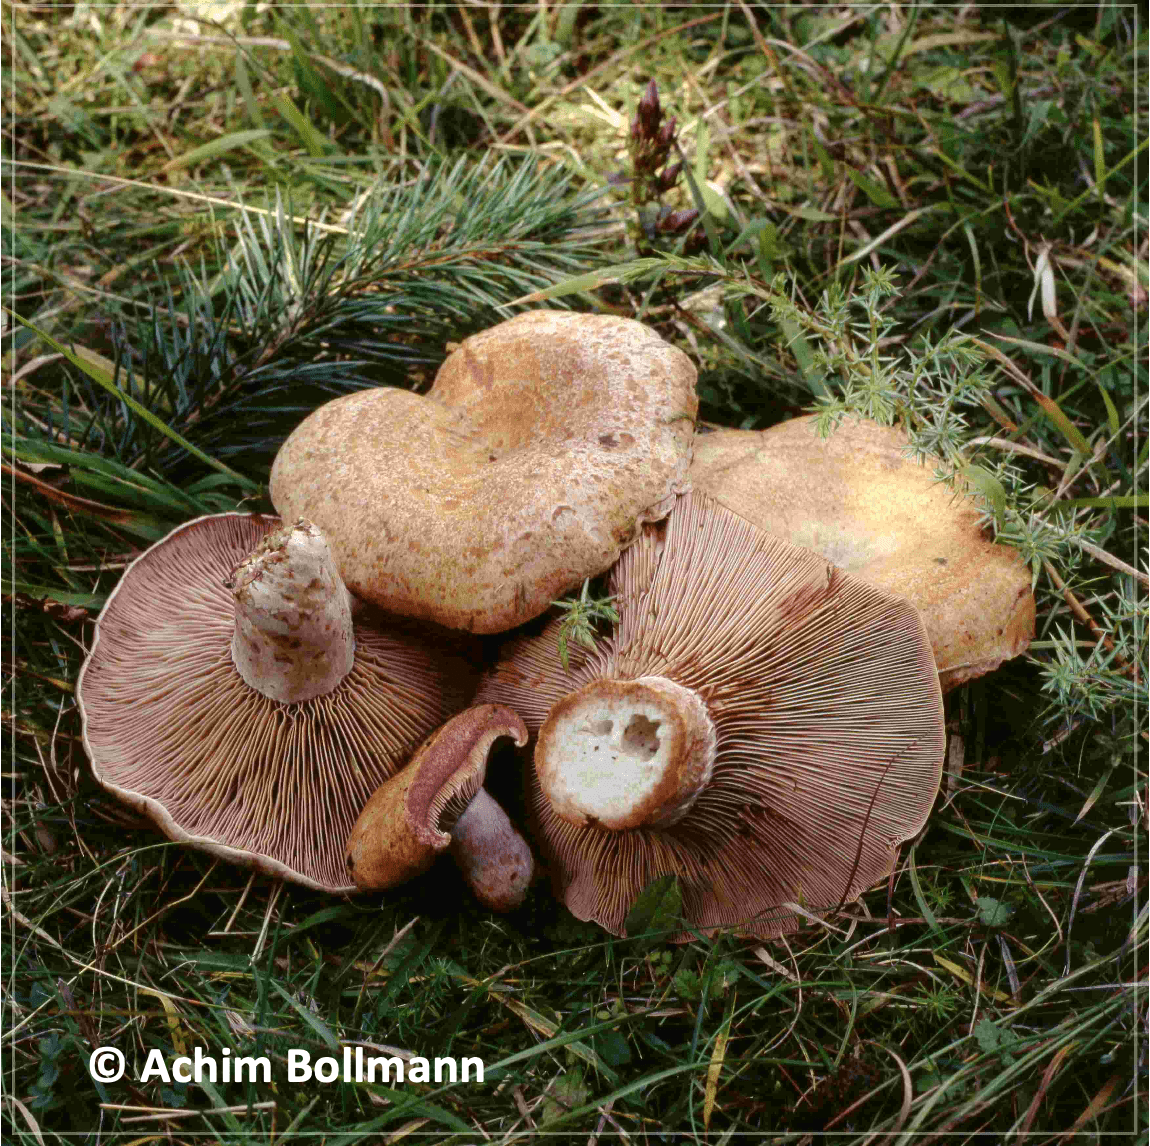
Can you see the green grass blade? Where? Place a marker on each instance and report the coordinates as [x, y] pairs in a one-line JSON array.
[[216, 148], [1075, 203], [317, 1024], [920, 899]]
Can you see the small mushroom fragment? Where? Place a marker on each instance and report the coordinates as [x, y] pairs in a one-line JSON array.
[[860, 501], [543, 445], [438, 802], [761, 725], [231, 696]]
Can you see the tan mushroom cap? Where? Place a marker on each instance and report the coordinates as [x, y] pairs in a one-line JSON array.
[[543, 445], [827, 727], [172, 728], [857, 499], [438, 801]]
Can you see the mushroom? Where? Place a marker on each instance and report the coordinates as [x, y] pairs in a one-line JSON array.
[[543, 445], [761, 725], [437, 802], [231, 696], [858, 499]]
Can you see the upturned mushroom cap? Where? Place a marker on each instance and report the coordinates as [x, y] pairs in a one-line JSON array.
[[438, 801], [827, 717], [543, 445], [172, 728], [857, 499]]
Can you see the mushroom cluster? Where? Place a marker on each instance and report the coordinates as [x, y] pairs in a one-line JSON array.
[[765, 722], [241, 696]]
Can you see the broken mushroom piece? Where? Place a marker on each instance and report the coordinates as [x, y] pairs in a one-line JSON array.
[[438, 802], [857, 499], [543, 445], [761, 725], [230, 695]]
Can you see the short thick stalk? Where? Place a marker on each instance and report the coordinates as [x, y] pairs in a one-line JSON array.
[[492, 856], [622, 754], [293, 638]]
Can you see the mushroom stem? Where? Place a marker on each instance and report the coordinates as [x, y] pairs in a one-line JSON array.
[[293, 637], [622, 754], [438, 802], [492, 856]]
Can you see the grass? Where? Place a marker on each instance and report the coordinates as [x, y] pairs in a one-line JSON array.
[[924, 212]]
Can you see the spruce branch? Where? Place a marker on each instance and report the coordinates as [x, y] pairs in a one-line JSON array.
[[236, 351]]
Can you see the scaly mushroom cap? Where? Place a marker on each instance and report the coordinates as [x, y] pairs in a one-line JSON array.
[[827, 728], [172, 728], [857, 499], [543, 445], [438, 801]]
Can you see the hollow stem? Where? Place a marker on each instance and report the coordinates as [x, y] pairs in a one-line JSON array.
[[622, 754]]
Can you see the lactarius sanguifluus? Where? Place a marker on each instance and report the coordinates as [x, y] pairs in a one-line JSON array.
[[232, 696], [863, 502], [543, 445], [438, 803], [761, 725]]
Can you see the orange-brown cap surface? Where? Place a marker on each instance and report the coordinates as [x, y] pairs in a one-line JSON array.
[[861, 502], [827, 717], [171, 727], [542, 446]]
